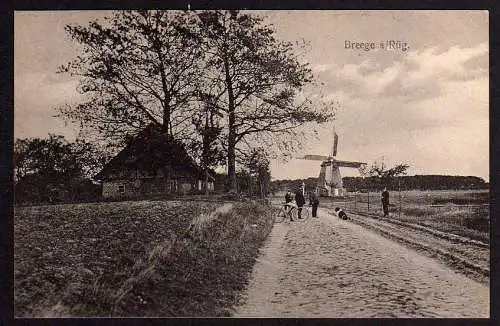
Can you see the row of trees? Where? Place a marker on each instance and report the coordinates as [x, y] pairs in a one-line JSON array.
[[51, 168], [379, 174], [373, 183], [293, 185], [416, 182], [219, 81], [54, 169]]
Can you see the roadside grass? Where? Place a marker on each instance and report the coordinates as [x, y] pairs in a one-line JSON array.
[[471, 222], [204, 273], [442, 197], [134, 258]]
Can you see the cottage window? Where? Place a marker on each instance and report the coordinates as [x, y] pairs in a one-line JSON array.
[[121, 189], [172, 185]]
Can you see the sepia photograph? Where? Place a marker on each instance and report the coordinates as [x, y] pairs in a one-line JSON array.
[[251, 163]]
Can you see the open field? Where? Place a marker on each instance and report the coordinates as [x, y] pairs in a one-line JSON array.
[[136, 258], [188, 258], [462, 212]]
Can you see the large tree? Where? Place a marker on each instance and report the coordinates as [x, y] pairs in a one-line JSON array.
[[143, 67], [253, 79], [136, 68]]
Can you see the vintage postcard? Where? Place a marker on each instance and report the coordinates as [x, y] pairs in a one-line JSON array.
[[277, 163]]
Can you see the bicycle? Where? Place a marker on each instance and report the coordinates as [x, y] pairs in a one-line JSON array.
[[286, 213], [305, 213], [289, 213]]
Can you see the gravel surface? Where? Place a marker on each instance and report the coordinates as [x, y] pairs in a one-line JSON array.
[[327, 267]]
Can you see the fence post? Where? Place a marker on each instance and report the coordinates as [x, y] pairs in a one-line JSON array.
[[399, 188], [368, 200], [469, 209]]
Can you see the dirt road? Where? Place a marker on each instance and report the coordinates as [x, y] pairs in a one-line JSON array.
[[326, 267]]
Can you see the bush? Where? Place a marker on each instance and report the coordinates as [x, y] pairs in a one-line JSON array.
[[477, 223]]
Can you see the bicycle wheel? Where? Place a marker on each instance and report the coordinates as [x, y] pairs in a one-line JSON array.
[[305, 214], [292, 215], [279, 215]]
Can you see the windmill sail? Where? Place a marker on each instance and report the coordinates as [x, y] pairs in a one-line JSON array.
[[347, 164], [315, 157], [335, 142]]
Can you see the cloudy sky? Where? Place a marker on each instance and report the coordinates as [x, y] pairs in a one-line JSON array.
[[427, 106]]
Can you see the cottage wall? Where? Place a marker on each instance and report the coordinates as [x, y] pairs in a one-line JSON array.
[[122, 188], [118, 189]]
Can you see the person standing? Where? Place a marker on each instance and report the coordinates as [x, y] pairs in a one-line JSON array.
[[300, 201], [288, 197], [314, 202], [385, 202]]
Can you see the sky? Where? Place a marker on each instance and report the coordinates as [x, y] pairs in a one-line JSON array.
[[423, 102]]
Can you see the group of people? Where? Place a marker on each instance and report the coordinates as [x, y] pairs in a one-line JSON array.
[[300, 201], [314, 203]]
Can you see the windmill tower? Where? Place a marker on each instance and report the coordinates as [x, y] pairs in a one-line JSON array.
[[330, 180]]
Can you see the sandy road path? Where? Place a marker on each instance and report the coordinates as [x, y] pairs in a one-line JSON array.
[[327, 267]]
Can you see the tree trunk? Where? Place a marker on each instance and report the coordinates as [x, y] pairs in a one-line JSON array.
[[231, 155], [166, 99], [261, 188], [206, 182], [166, 119]]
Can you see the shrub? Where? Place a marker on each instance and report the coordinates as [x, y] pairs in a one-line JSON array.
[[477, 223]]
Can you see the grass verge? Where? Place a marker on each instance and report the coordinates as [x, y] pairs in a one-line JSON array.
[[469, 222], [203, 273]]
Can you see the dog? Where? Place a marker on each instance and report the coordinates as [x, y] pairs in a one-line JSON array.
[[341, 214]]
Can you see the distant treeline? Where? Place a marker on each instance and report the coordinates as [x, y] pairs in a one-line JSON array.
[[415, 182], [292, 185]]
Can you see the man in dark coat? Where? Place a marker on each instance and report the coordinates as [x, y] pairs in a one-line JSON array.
[[300, 201], [314, 202], [385, 202]]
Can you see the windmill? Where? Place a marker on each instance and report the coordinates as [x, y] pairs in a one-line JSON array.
[[330, 180]]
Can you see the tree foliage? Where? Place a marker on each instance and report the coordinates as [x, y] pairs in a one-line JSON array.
[[217, 80], [55, 157], [381, 172], [208, 128], [254, 80], [136, 68], [416, 182], [258, 168], [41, 165]]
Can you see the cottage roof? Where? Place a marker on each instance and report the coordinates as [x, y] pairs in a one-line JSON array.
[[151, 149]]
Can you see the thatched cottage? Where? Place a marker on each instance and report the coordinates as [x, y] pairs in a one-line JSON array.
[[152, 163]]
